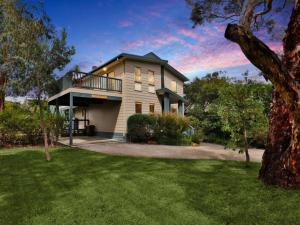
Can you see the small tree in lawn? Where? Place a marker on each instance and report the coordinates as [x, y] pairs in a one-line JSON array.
[[242, 116], [49, 52]]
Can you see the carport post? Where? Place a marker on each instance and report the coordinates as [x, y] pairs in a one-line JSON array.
[[181, 108], [166, 103], [71, 119]]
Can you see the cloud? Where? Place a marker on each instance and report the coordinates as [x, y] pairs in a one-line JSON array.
[[125, 23], [155, 42], [220, 54]]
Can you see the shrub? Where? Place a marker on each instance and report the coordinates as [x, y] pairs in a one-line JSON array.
[[169, 129], [19, 126], [163, 129], [140, 127], [197, 137], [55, 124]]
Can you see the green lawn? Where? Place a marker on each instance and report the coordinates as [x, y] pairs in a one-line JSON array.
[[81, 187]]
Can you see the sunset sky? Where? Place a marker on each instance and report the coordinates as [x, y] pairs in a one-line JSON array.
[[100, 30]]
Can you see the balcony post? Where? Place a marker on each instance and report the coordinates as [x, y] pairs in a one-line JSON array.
[[71, 120]]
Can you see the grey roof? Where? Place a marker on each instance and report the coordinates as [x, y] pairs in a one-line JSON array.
[[150, 57]]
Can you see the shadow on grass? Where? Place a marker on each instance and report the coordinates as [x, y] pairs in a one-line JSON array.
[[226, 191]]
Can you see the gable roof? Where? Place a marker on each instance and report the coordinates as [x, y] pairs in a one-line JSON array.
[[149, 57]]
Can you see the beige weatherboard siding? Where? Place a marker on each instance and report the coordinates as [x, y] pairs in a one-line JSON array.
[[169, 77], [111, 113]]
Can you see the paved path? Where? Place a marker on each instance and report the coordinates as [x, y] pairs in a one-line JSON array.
[[203, 151]]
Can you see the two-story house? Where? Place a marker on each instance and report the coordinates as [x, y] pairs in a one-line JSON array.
[[125, 85]]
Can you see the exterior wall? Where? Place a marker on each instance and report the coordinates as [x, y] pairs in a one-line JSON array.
[[169, 77], [108, 117], [118, 69], [130, 96], [112, 116], [103, 116]]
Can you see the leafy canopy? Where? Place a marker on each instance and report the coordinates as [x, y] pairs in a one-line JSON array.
[[240, 111]]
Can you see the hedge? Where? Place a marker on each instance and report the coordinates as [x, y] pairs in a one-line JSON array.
[[164, 129]]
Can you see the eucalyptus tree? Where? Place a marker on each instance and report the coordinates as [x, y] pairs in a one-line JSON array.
[[43, 51], [14, 44], [281, 160], [51, 53]]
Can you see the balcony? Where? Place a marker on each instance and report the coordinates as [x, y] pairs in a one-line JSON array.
[[91, 81]]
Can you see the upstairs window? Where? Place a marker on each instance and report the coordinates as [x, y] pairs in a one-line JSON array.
[[137, 75], [173, 86], [150, 77], [138, 107]]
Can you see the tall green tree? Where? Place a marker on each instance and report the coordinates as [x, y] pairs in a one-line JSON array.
[[201, 95], [242, 115], [47, 52], [281, 164], [15, 20]]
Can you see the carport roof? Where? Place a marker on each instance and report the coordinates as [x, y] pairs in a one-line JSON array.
[[81, 99]]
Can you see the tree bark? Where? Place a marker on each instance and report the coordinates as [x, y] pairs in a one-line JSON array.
[[246, 147], [281, 160], [44, 130]]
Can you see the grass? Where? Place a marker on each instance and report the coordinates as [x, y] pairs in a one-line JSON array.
[[81, 187]]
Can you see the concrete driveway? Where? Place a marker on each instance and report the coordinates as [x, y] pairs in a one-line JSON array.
[[203, 151]]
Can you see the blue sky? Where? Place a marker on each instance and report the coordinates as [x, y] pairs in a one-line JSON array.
[[101, 29]]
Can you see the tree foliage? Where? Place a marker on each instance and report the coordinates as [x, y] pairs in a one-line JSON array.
[[201, 95], [242, 115], [281, 164], [45, 52]]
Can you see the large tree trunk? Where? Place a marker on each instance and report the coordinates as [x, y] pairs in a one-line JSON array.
[[281, 160], [279, 138]]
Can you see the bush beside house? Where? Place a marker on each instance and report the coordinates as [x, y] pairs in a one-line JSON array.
[[140, 127], [163, 129], [20, 125]]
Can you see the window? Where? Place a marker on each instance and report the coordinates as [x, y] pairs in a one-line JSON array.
[[138, 107], [151, 89], [150, 77], [137, 86], [174, 109], [173, 86], [137, 74], [151, 108]]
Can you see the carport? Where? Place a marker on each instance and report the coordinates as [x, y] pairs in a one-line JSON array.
[[73, 97]]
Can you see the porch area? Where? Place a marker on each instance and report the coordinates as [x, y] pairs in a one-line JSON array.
[[86, 108]]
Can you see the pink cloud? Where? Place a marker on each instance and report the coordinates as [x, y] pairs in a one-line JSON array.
[[125, 23], [191, 33], [220, 55], [156, 42]]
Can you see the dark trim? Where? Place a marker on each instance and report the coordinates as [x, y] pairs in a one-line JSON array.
[[166, 91], [144, 58], [85, 95], [71, 119], [162, 72]]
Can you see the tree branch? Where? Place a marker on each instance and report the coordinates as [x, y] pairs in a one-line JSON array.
[[247, 14], [264, 59], [265, 11]]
